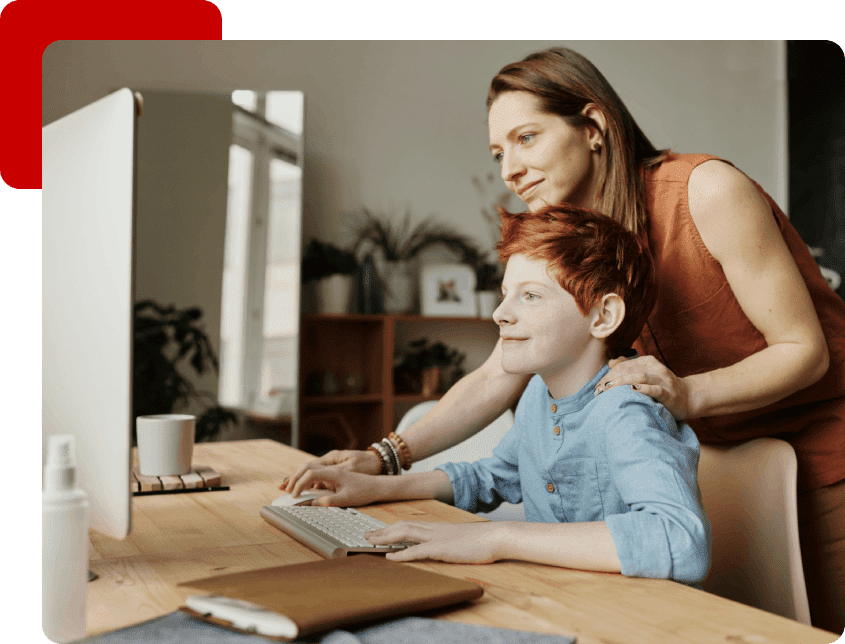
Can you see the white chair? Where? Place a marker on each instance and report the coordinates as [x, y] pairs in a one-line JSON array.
[[749, 493], [475, 447]]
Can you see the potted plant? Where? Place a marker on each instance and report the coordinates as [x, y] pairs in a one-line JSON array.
[[166, 339], [421, 367], [398, 243], [332, 269]]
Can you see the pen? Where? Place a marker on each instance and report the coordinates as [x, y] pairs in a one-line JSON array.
[[213, 488]]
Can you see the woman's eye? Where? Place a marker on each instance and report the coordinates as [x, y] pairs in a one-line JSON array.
[[526, 138], [498, 157]]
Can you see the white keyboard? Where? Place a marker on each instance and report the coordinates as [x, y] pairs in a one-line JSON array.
[[331, 532]]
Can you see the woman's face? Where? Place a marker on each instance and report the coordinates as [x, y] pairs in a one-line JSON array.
[[544, 159]]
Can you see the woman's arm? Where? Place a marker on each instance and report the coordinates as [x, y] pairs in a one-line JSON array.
[[355, 489], [469, 406], [738, 229]]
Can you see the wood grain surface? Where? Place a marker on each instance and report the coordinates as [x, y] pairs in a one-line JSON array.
[[178, 537]]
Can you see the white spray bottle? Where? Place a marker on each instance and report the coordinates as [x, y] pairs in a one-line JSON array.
[[64, 544]]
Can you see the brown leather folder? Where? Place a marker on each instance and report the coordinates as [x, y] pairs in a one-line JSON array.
[[332, 593]]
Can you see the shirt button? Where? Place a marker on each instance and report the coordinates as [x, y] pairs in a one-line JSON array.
[[550, 487], [556, 430], [554, 408]]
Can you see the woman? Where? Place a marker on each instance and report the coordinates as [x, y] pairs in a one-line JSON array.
[[746, 340]]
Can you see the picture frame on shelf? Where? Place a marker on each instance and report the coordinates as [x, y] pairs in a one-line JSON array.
[[447, 290]]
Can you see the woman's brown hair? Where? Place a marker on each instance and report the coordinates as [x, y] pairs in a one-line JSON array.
[[566, 82]]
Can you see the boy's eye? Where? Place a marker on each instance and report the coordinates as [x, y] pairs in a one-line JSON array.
[[531, 296]]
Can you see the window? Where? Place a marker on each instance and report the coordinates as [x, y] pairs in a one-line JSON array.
[[259, 341]]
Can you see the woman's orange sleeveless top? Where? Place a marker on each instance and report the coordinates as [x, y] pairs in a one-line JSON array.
[[698, 325]]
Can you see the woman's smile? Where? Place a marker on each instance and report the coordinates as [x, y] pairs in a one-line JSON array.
[[524, 191]]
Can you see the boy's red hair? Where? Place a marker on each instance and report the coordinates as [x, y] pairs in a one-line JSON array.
[[590, 255]]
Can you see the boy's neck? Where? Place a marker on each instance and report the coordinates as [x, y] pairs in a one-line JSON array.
[[570, 379]]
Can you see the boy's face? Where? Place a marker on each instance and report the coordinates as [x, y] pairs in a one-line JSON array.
[[541, 328]]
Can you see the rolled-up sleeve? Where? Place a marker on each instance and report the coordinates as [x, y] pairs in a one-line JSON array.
[[653, 462], [483, 485]]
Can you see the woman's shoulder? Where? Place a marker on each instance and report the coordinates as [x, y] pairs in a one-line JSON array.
[[724, 204], [715, 177], [677, 168]]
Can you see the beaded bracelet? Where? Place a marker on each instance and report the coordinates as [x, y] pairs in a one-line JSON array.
[[390, 462], [391, 450], [375, 451], [404, 452]]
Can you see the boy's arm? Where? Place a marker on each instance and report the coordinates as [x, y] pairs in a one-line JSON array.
[[653, 463], [355, 489], [585, 546], [482, 485]]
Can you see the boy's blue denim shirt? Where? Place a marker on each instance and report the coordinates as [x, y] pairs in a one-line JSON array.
[[619, 457]]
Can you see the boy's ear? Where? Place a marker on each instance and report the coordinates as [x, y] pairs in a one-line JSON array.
[[607, 315]]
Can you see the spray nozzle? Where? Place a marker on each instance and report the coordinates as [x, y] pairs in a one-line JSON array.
[[61, 451], [60, 471]]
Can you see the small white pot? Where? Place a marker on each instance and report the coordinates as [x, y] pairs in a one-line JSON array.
[[165, 444], [335, 293], [487, 303], [399, 287]]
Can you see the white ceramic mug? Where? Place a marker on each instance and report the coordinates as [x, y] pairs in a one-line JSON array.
[[165, 444]]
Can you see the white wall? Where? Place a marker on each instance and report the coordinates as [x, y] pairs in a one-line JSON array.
[[396, 125]]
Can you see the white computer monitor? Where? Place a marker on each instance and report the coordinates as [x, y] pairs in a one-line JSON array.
[[88, 224]]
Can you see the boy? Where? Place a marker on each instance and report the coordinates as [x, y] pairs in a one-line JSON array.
[[608, 481]]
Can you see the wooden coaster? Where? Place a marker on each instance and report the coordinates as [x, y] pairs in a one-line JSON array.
[[201, 477]]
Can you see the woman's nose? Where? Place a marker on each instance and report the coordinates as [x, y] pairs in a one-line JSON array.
[[512, 167]]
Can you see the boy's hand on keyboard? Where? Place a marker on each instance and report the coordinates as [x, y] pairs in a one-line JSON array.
[[349, 489], [451, 542]]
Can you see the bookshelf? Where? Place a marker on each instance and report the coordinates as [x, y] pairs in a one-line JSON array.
[[347, 394]]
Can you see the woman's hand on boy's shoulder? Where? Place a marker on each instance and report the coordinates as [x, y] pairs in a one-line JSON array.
[[651, 377]]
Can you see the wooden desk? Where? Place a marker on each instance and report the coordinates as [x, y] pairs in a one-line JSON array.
[[178, 537]]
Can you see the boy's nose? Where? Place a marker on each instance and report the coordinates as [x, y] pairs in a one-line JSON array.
[[501, 316]]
